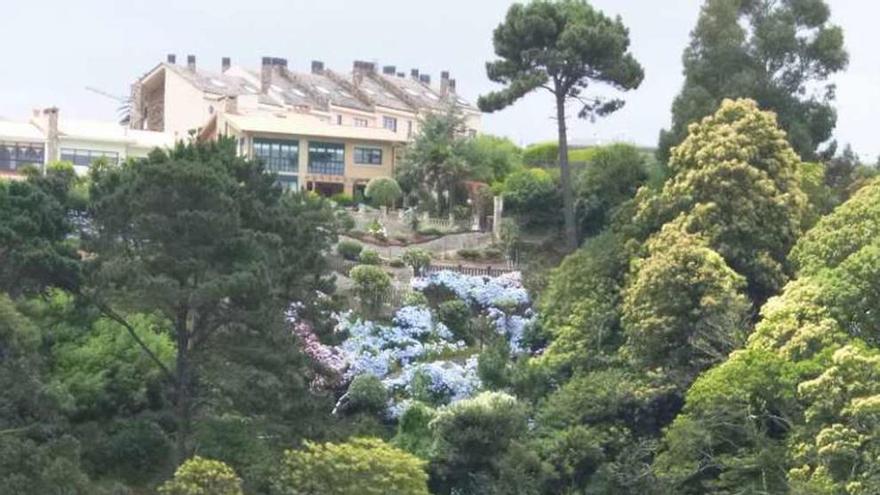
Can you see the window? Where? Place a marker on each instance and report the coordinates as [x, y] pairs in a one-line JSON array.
[[85, 158], [288, 182], [326, 158], [279, 156], [368, 156], [409, 128], [389, 123], [16, 155], [358, 122]]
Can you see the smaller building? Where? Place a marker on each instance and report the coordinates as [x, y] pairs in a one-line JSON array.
[[47, 138], [309, 153]]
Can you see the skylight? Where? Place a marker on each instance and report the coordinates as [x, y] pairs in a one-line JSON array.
[[218, 83], [323, 89]]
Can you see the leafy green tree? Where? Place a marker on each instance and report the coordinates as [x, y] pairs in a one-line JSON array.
[[470, 438], [735, 179], [730, 435], [206, 240], [365, 466], [842, 233], [562, 46], [198, 476], [384, 191], [435, 162], [417, 259], [106, 371], [580, 308], [596, 432], [778, 53], [36, 455], [532, 195], [612, 176], [682, 309], [492, 158]]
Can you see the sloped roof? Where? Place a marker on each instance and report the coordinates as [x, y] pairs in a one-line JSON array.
[[215, 82]]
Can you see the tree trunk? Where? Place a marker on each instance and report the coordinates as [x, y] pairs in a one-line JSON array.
[[565, 177], [182, 398]]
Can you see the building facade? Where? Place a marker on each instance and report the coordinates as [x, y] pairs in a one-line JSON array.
[[319, 130], [47, 138]]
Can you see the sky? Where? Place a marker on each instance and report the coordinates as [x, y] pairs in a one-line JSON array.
[[53, 50]]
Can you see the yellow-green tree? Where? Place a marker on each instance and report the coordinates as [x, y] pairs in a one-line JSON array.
[[198, 476], [362, 466], [682, 310], [735, 179]]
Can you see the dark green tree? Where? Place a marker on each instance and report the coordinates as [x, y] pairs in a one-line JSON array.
[[775, 52], [562, 46], [206, 240], [35, 251]]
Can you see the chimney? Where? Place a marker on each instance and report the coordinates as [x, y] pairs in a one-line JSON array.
[[191, 62], [414, 74], [425, 79], [444, 83], [401, 75], [452, 85], [266, 75], [225, 64], [51, 115], [172, 58], [231, 104], [389, 70], [360, 69], [317, 67]]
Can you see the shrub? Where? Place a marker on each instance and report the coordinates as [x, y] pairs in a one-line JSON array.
[[342, 199], [370, 257], [413, 433], [199, 476], [417, 259], [469, 254], [415, 299], [492, 253], [367, 394], [532, 193], [456, 315], [613, 176], [366, 466], [372, 286], [396, 263], [492, 365], [541, 154], [430, 231], [383, 191], [349, 250]]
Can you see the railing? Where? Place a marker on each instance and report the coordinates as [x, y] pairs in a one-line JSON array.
[[477, 271]]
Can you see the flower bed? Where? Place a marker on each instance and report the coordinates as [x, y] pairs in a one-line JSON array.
[[411, 355]]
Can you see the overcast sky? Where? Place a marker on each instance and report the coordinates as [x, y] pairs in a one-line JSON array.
[[52, 50]]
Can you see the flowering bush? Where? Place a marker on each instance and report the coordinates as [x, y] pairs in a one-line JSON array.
[[485, 292], [411, 356]]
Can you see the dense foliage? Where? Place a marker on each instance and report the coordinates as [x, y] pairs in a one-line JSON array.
[[780, 54]]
